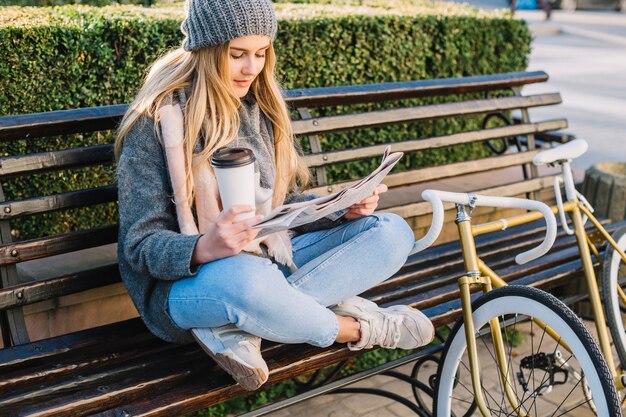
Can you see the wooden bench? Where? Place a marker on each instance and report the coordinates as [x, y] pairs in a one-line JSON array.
[[121, 369]]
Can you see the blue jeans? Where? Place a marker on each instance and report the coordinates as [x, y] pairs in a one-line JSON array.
[[258, 297]]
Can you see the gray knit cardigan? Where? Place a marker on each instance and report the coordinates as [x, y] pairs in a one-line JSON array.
[[152, 252]]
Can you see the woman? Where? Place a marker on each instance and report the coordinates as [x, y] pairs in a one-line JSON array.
[[192, 270]]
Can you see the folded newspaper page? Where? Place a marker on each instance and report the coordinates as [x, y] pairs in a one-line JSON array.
[[293, 215]]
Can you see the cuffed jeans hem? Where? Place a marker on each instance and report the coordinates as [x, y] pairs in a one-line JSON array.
[[332, 336]]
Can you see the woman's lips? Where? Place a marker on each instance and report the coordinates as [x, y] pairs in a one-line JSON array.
[[243, 83]]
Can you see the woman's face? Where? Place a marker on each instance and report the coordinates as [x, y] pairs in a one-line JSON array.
[[246, 61]]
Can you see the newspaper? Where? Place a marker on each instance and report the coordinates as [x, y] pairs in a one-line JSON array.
[[293, 215]]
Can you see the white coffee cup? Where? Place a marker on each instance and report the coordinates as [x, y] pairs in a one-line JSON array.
[[234, 170]]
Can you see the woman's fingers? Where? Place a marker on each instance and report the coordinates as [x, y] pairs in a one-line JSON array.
[[240, 230], [366, 206], [229, 220], [230, 214], [246, 237], [369, 204], [380, 188]]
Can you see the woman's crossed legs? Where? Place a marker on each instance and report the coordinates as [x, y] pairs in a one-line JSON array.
[[254, 294], [334, 265]]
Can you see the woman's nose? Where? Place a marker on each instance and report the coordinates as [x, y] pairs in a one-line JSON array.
[[250, 67]]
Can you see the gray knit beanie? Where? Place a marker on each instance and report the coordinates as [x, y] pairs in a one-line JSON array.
[[214, 22]]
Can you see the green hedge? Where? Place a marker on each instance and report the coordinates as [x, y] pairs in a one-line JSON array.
[[74, 56], [78, 56]]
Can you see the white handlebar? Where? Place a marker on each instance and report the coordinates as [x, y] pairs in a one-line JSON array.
[[436, 199]]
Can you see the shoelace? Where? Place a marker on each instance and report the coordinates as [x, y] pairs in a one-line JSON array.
[[388, 335]]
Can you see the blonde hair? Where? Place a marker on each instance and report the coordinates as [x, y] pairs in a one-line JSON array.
[[211, 110]]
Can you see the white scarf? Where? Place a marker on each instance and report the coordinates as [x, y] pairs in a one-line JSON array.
[[207, 196]]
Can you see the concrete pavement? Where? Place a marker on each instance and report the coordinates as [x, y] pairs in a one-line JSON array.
[[584, 53]]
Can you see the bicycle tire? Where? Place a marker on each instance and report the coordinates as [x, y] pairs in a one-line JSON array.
[[614, 269], [513, 303]]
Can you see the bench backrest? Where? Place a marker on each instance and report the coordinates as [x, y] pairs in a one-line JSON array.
[[318, 116]]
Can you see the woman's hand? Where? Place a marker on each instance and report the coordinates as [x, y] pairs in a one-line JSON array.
[[226, 237], [366, 206]]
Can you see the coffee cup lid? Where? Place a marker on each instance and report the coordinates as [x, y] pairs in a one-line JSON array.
[[232, 157]]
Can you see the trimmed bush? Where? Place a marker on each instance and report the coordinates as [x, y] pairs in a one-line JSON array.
[[77, 56]]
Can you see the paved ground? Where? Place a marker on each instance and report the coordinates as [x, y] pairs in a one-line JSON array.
[[585, 55]]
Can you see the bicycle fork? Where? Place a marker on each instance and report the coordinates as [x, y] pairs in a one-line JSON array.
[[474, 277]]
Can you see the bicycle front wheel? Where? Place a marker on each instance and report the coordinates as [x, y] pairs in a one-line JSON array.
[[542, 378], [614, 279]]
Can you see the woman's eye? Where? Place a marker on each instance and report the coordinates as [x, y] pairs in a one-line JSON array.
[[240, 56]]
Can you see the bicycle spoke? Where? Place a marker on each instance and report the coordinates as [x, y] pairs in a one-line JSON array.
[[532, 349]]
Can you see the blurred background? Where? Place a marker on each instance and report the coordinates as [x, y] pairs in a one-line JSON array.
[[582, 47]]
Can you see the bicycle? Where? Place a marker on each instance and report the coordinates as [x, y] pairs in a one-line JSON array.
[[613, 265], [538, 382]]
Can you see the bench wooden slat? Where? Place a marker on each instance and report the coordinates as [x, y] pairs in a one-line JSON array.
[[55, 160], [45, 351], [107, 117], [414, 114], [157, 375], [108, 194], [56, 202], [199, 391], [509, 190], [103, 154], [37, 291], [47, 378], [439, 172], [61, 122], [12, 253], [352, 94], [327, 158]]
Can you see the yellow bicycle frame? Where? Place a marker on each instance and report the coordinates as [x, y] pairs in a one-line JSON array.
[[585, 247], [473, 277]]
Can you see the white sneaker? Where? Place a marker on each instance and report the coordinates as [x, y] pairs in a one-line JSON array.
[[237, 352], [393, 327]]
